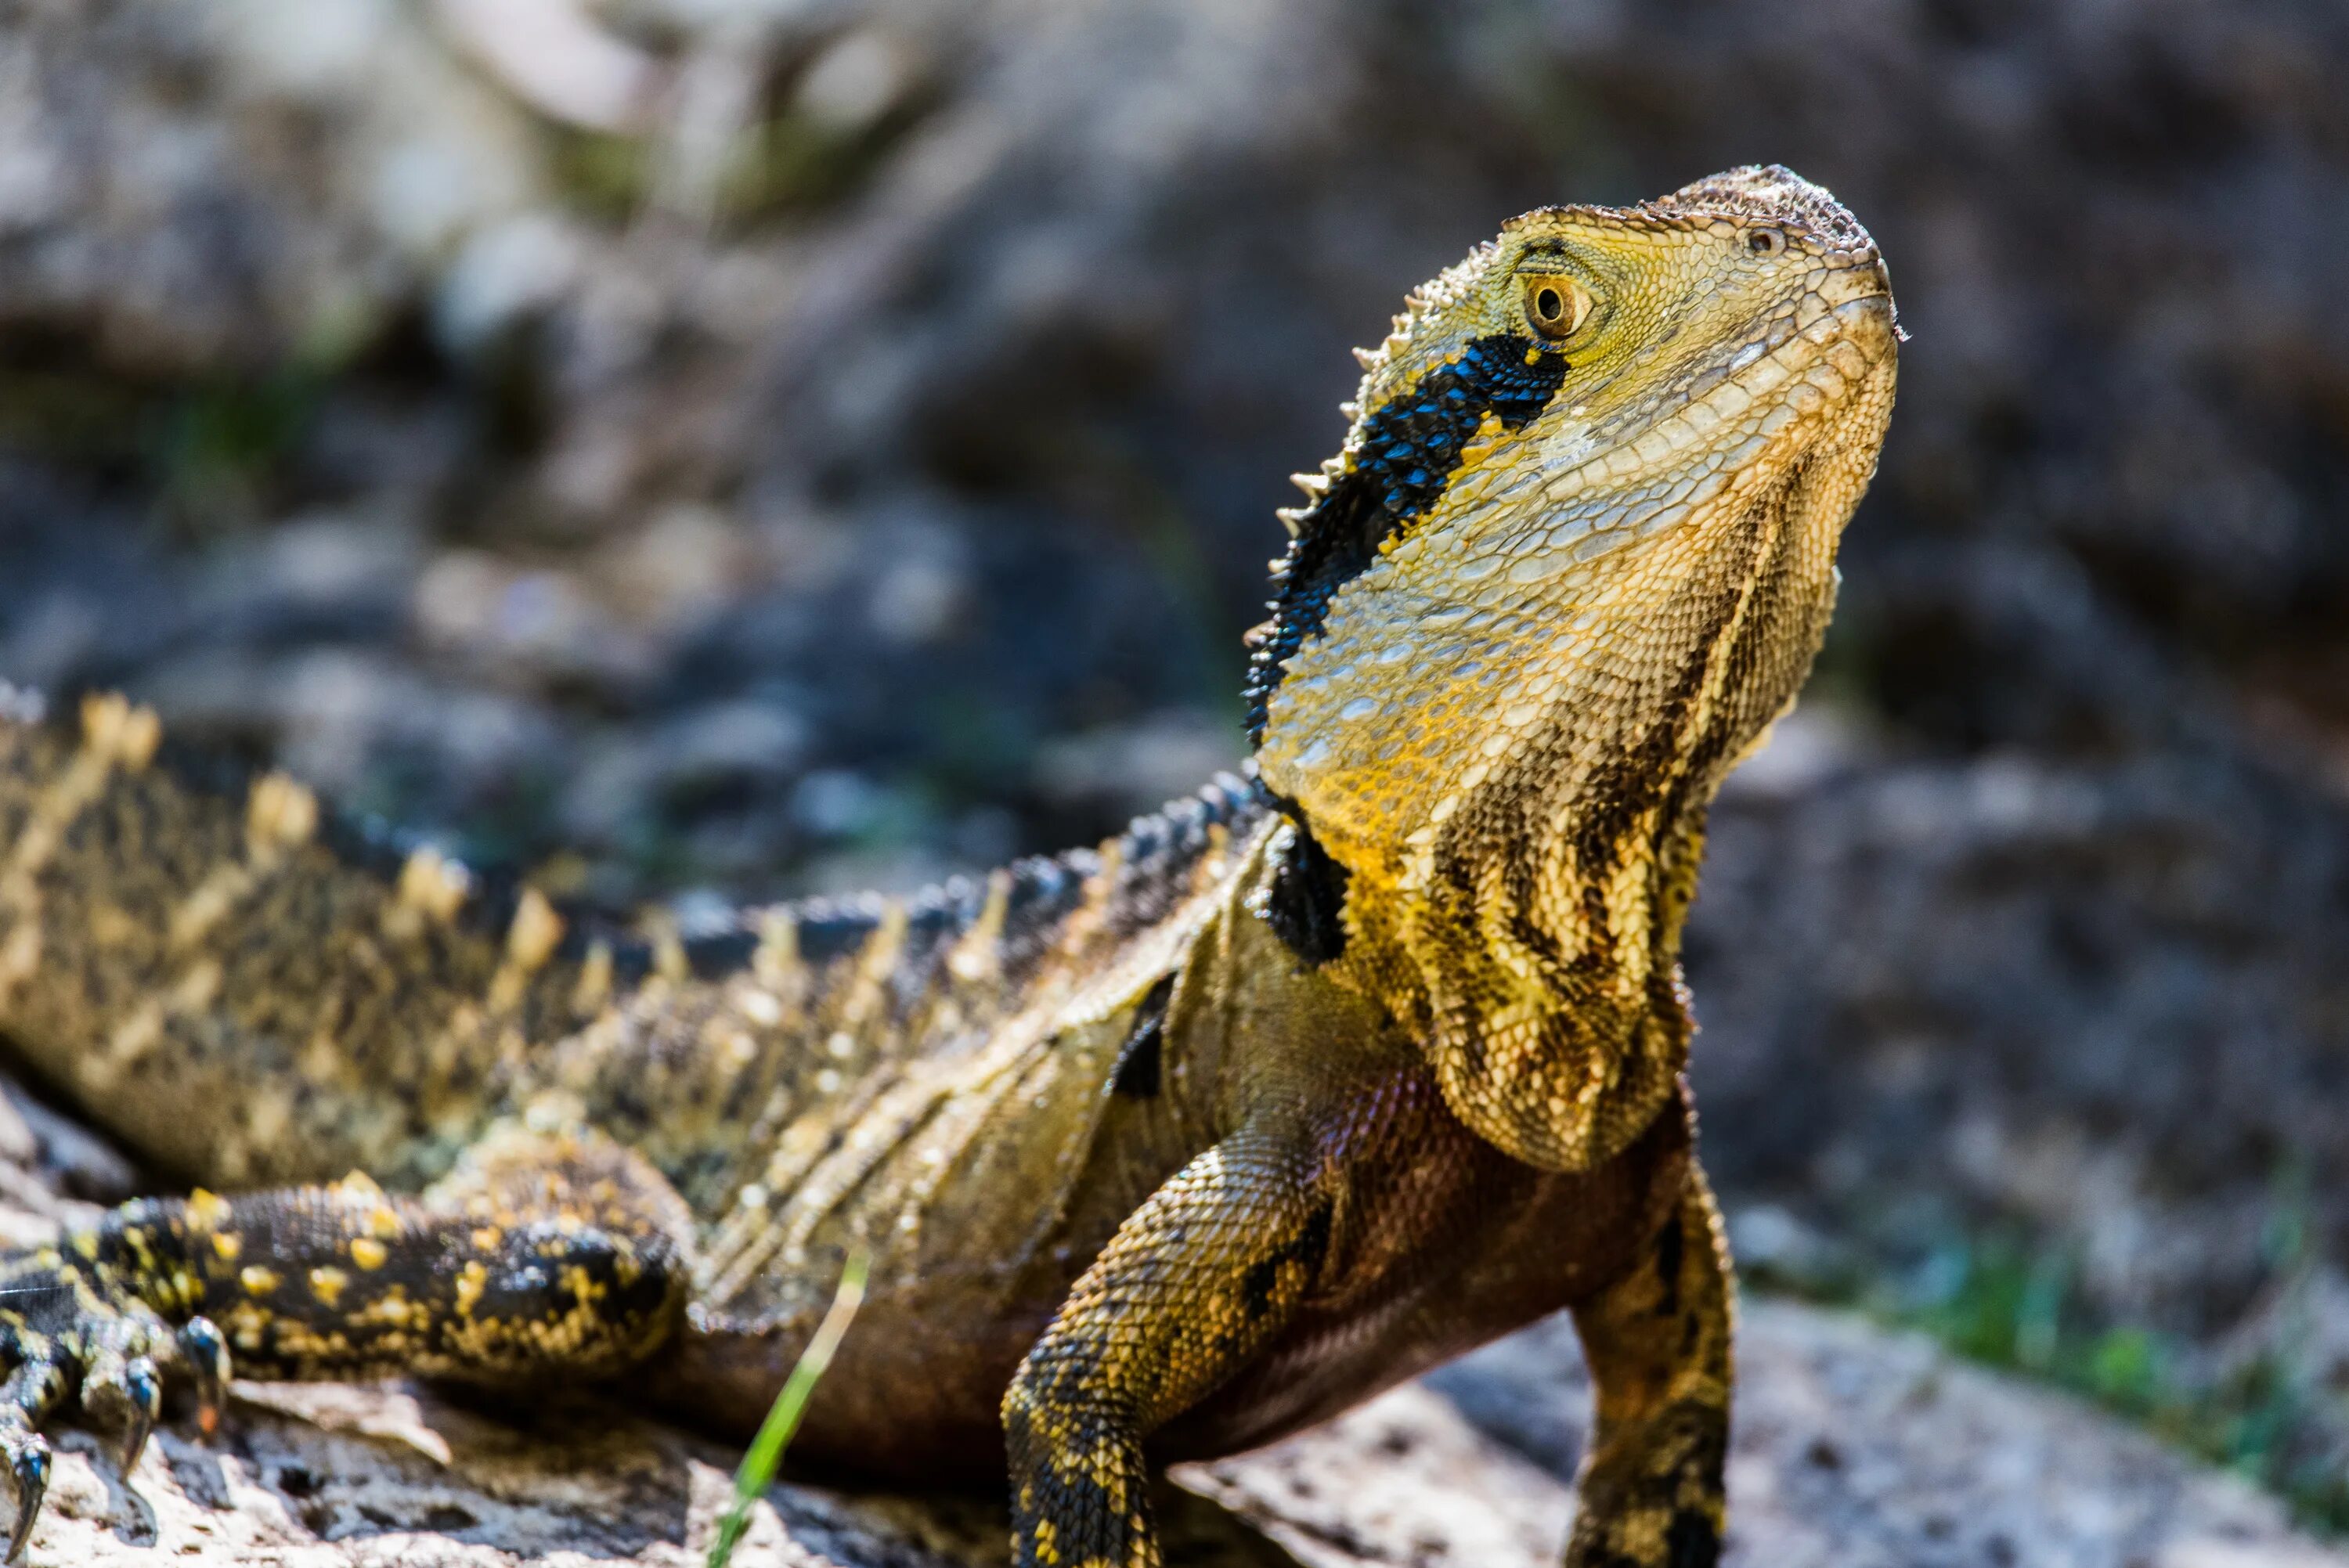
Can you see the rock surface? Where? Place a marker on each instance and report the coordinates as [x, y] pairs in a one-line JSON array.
[[1856, 1449]]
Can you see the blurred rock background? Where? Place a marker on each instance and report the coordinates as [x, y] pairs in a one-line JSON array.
[[709, 449]]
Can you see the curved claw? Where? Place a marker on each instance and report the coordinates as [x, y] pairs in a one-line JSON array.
[[143, 1389], [28, 1466], [125, 1390], [205, 1351]]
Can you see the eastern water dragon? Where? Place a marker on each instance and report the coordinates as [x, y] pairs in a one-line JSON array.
[[1159, 1149]]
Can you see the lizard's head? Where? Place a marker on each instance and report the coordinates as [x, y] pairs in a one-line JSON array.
[[1577, 554], [1583, 528]]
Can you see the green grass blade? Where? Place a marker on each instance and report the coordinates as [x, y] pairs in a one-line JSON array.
[[766, 1451]]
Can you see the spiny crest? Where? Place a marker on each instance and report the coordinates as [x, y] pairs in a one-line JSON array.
[[1433, 297], [119, 731], [430, 885], [1316, 485], [280, 814]]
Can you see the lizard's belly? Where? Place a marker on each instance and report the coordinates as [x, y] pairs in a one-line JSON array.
[[915, 1394], [1448, 1245], [915, 1391]]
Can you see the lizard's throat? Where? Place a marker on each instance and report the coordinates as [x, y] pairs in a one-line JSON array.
[[1501, 844], [1446, 719], [1520, 765]]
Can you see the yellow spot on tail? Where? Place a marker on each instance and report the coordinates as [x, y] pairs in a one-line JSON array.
[[471, 1280], [228, 1245], [582, 1286], [327, 1283], [394, 1310], [369, 1253], [207, 1211], [259, 1281]]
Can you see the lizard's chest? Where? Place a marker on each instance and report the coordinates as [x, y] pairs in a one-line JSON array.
[[1443, 1244]]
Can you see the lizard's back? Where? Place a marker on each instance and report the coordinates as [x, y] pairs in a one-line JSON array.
[[248, 988], [248, 991]]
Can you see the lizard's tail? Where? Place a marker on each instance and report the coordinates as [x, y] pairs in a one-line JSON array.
[[242, 987]]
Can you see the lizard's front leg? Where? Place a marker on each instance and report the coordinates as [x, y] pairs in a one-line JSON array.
[[1658, 1342], [540, 1258], [1194, 1281]]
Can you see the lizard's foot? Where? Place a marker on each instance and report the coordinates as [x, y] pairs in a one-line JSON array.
[[1655, 1502], [67, 1323]]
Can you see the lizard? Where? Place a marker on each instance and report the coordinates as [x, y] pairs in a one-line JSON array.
[[1159, 1149]]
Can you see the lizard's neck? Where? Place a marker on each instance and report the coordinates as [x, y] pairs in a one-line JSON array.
[[1514, 824], [1521, 763]]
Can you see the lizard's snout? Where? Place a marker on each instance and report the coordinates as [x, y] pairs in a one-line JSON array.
[[1871, 322], [1857, 288]]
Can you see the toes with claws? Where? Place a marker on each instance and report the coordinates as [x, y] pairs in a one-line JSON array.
[[31, 1392], [203, 1353], [127, 1394], [29, 1467], [65, 1325]]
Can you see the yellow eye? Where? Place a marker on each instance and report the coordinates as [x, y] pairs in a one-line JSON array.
[[1555, 306]]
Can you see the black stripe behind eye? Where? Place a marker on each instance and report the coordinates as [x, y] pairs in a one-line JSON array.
[[1409, 451]]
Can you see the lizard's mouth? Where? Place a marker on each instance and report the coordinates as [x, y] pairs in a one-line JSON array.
[[1649, 472], [1872, 313]]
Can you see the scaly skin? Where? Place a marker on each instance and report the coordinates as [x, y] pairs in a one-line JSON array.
[[1160, 1150]]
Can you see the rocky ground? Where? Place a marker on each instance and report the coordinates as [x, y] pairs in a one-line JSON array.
[[1855, 1448], [724, 446]]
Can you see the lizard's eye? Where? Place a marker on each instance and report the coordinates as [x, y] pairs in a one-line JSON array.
[[1765, 242], [1555, 306]]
